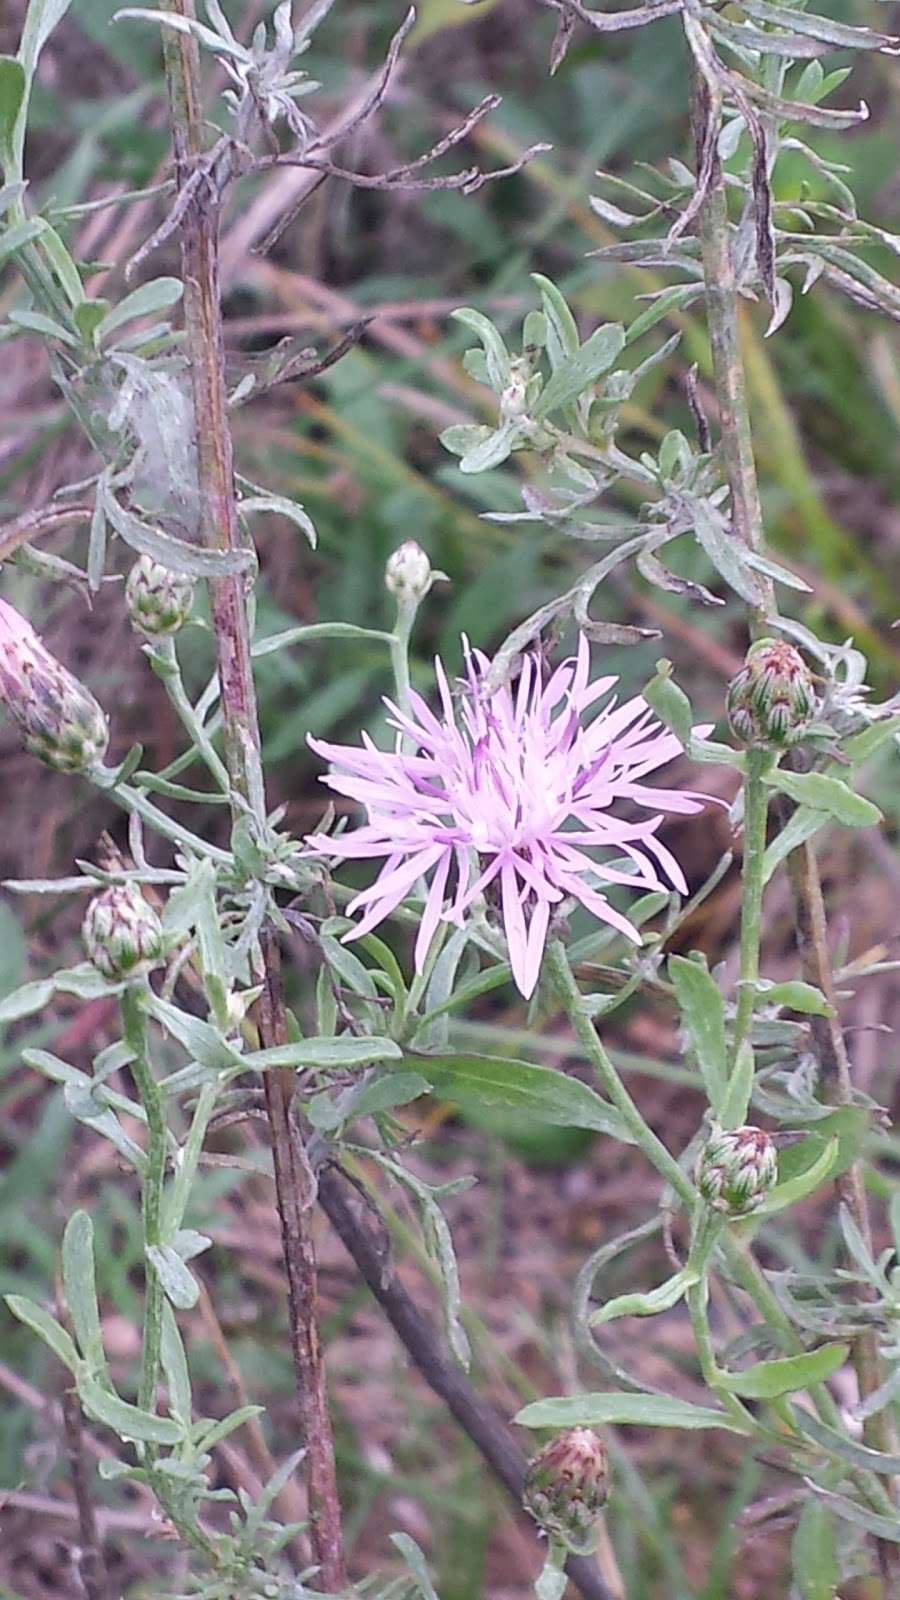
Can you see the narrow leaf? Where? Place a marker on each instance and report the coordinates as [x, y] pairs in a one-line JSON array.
[[46, 1328], [796, 1189], [81, 1289], [769, 1379], [539, 1092], [581, 369], [650, 1304], [826, 794], [637, 1410], [703, 1017], [128, 1421]]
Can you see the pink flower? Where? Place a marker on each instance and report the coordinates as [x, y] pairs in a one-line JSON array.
[[514, 786]]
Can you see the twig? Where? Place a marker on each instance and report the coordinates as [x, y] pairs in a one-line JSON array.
[[295, 1187], [89, 1560], [488, 1431], [219, 530]]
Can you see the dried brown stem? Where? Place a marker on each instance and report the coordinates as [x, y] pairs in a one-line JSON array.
[[220, 531], [90, 1563]]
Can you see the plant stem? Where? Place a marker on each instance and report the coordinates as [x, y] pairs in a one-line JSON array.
[[220, 531], [736, 452], [192, 724], [488, 1431], [756, 810], [742, 1266], [134, 1028], [296, 1189], [837, 1086], [89, 1558], [557, 965]]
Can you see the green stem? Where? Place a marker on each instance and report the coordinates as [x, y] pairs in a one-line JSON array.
[[756, 811], [399, 647], [557, 965], [134, 1026], [131, 799], [742, 1266], [190, 721]]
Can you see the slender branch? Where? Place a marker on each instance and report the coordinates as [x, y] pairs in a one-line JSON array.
[[483, 1425], [296, 1190], [756, 810], [91, 1566], [219, 530], [736, 451]]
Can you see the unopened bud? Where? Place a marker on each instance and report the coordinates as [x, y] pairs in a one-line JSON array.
[[566, 1485], [61, 722], [122, 934], [772, 700], [158, 600], [736, 1170], [408, 575]]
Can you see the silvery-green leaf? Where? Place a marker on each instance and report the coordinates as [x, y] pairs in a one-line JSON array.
[[726, 552], [26, 1000], [80, 1287], [826, 794], [128, 1421], [415, 1560], [46, 1328], [493, 448], [178, 1282], [157, 295], [278, 505], [176, 554], [175, 1368], [562, 330], [496, 353], [582, 368], [637, 1410]]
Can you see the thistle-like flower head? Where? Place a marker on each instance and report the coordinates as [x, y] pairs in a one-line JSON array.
[[566, 1485], [771, 701], [737, 1169], [158, 600], [122, 934], [61, 722], [511, 789]]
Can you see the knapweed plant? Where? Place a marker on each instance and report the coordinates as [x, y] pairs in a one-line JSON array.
[[492, 810]]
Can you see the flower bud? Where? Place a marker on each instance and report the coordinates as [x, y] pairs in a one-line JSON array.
[[772, 700], [61, 721], [122, 934], [408, 575], [158, 600], [736, 1170], [566, 1485]]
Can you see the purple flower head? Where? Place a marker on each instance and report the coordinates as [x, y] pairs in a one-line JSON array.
[[513, 786]]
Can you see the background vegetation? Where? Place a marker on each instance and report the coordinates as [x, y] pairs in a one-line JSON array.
[[359, 449]]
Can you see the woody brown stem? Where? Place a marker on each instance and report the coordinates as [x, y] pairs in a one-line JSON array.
[[219, 530]]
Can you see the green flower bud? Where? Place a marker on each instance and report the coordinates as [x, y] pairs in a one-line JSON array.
[[772, 701], [122, 934], [566, 1486], [61, 721], [736, 1170], [158, 600]]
